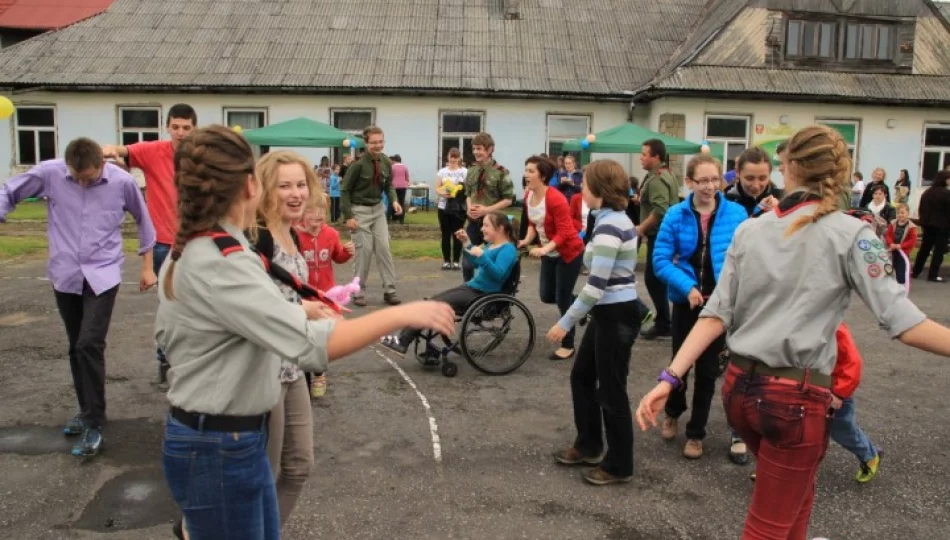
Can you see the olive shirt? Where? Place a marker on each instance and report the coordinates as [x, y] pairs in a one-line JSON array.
[[359, 187], [488, 184], [227, 329], [659, 191]]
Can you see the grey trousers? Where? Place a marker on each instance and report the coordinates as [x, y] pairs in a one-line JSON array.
[[371, 238], [290, 444]]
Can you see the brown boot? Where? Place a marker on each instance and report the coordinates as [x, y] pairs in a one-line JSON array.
[[600, 477], [693, 449], [670, 425], [391, 299], [571, 456]]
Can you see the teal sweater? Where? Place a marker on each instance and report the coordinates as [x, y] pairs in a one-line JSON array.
[[493, 267]]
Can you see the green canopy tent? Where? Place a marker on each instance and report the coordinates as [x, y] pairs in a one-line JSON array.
[[300, 132], [628, 138]]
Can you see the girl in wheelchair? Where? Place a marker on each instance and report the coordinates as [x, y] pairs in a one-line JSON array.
[[493, 264]]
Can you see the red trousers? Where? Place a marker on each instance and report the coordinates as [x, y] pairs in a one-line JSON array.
[[785, 424]]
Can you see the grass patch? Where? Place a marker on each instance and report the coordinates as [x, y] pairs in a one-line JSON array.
[[15, 247], [416, 249], [29, 211], [431, 218]]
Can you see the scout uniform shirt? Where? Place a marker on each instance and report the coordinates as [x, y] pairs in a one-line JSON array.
[[660, 191], [365, 182], [487, 184], [227, 329], [795, 289]]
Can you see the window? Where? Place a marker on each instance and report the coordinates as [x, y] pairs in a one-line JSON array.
[[246, 118], [869, 42], [728, 137], [456, 130], [352, 121], [563, 128], [811, 39], [850, 130], [36, 134], [936, 152], [138, 124]]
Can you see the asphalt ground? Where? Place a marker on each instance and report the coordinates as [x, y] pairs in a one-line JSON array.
[[376, 473]]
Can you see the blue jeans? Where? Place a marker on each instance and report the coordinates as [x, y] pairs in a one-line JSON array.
[[222, 482], [159, 254], [845, 432]]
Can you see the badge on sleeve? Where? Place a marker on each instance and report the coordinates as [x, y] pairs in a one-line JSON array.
[[884, 257], [874, 270], [864, 245], [888, 269], [877, 244], [870, 257]]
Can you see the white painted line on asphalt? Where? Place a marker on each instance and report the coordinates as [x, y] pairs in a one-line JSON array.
[[433, 427]]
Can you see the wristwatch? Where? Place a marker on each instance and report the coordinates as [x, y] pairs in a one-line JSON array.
[[667, 376]]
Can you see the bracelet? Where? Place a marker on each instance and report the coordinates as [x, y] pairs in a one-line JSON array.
[[669, 377]]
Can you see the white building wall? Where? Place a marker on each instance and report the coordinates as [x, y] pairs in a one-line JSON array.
[[519, 127], [893, 149]]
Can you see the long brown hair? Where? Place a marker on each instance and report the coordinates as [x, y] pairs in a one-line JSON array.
[[501, 219], [822, 163], [211, 169], [268, 168]]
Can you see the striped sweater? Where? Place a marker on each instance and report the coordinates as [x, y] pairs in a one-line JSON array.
[[611, 257]]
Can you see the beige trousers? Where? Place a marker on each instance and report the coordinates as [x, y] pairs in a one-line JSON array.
[[371, 239], [290, 444]]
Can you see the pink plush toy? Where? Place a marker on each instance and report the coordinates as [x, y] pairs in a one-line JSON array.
[[342, 294]]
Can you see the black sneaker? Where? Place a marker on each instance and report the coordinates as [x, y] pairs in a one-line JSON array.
[[90, 444], [394, 344], [653, 332], [163, 375], [74, 426]]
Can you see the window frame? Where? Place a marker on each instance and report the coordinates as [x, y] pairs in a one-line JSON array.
[[226, 111], [121, 129], [589, 117], [943, 151], [54, 129], [460, 136], [856, 159], [726, 140], [859, 42], [819, 27], [337, 152], [840, 27]]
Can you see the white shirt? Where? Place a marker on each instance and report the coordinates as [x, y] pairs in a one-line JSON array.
[[858, 188], [457, 177], [536, 217]]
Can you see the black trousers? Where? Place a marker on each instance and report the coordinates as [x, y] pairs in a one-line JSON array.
[[334, 209], [401, 199], [474, 230], [599, 386], [935, 240], [556, 286], [657, 291], [449, 223], [87, 317], [705, 373], [458, 297]]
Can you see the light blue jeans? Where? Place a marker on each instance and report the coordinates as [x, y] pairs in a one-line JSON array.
[[845, 432], [222, 482]]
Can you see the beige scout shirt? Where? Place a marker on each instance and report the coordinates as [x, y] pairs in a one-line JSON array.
[[228, 328], [781, 299]]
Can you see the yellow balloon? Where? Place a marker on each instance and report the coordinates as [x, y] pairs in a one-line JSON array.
[[237, 129], [6, 108], [346, 143]]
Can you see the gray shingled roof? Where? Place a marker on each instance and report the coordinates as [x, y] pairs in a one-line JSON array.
[[944, 10], [727, 53], [598, 48]]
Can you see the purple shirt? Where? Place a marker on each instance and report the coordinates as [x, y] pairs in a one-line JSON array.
[[85, 224], [400, 176]]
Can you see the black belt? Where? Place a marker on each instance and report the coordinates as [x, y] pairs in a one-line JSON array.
[[796, 374], [220, 422]]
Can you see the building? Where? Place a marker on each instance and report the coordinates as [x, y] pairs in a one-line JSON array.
[[23, 19], [532, 72]]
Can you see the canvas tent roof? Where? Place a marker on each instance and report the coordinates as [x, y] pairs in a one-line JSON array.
[[628, 138], [300, 132]]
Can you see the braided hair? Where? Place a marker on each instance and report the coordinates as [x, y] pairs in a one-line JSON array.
[[211, 169], [820, 158]]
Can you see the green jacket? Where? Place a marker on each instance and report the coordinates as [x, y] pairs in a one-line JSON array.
[[358, 187], [659, 191], [494, 187]]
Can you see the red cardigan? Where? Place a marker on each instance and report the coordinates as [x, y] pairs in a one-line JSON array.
[[558, 225], [908, 242], [577, 213], [847, 373]]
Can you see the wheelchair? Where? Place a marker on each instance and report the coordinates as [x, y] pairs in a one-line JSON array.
[[485, 324]]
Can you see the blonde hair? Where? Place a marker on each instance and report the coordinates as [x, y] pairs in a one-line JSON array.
[[902, 206], [821, 161], [320, 201], [268, 168], [883, 172]]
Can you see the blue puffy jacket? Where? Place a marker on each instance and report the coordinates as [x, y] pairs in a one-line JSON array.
[[679, 237]]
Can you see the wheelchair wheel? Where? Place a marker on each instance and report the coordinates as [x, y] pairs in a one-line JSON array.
[[450, 369], [491, 321]]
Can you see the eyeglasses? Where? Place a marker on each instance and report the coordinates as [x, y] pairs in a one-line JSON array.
[[714, 181]]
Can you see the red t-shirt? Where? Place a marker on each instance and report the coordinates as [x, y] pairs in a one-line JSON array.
[[157, 161], [321, 251]]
